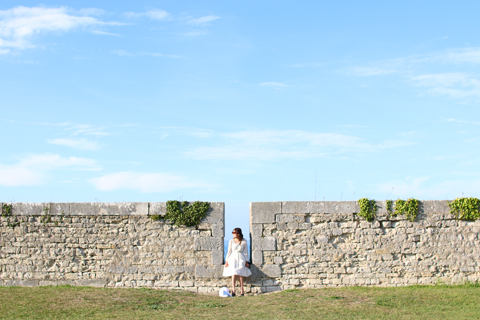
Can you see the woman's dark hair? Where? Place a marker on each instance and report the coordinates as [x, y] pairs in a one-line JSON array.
[[239, 232]]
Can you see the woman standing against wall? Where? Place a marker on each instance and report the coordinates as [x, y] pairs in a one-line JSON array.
[[237, 265]]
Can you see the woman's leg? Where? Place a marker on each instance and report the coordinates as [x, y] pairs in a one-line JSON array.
[[233, 284], [241, 284]]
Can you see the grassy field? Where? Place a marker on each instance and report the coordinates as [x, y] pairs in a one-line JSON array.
[[63, 302]]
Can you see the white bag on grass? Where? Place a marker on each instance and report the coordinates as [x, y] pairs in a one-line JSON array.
[[224, 292]]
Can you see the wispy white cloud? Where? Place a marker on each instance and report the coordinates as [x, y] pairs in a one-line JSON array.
[[145, 182], [152, 14], [368, 71], [75, 128], [350, 126], [33, 170], [196, 132], [203, 20], [408, 65], [307, 65], [81, 144], [194, 33], [420, 188], [460, 55], [104, 33], [91, 12], [293, 144], [460, 85], [461, 121], [408, 133], [275, 85], [457, 85], [124, 53], [20, 24]]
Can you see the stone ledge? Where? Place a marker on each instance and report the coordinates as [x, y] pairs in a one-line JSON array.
[[303, 206], [264, 212], [215, 215]]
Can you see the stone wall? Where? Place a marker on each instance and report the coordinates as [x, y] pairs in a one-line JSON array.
[[293, 245], [319, 244], [110, 245]]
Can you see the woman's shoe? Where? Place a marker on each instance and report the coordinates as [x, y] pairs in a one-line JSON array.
[[233, 294], [241, 294]]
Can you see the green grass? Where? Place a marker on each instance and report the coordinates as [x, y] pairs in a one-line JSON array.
[[416, 302]]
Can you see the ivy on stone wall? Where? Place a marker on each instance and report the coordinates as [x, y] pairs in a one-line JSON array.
[[390, 207], [368, 209], [46, 217], [409, 208], [465, 208], [7, 212], [183, 213]]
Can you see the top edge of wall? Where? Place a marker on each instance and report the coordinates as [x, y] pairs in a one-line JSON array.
[[327, 207], [216, 213]]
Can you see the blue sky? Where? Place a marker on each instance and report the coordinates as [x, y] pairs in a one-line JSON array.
[[239, 101]]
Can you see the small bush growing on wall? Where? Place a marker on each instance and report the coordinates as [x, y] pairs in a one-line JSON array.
[[465, 208], [368, 208], [390, 207], [7, 212], [183, 213], [409, 208]]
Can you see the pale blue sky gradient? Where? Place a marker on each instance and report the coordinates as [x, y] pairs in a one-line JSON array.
[[239, 101]]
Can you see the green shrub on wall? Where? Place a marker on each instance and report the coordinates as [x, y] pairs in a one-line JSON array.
[[7, 212], [390, 207], [183, 213], [465, 208], [409, 208], [368, 208]]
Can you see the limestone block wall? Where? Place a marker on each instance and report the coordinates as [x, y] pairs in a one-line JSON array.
[[319, 244], [110, 245]]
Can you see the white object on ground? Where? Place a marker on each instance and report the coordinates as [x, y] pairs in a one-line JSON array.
[[224, 292]]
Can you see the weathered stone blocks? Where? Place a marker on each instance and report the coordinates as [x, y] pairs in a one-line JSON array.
[[332, 246], [110, 244], [208, 243], [264, 212]]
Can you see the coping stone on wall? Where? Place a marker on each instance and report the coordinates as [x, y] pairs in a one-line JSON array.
[[264, 212], [157, 208], [426, 207], [109, 209], [341, 207], [441, 206], [216, 214], [303, 206], [27, 208]]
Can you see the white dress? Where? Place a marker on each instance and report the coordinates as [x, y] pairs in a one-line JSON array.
[[237, 256]]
